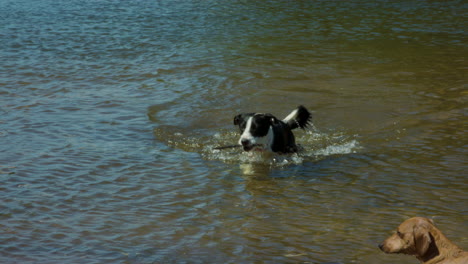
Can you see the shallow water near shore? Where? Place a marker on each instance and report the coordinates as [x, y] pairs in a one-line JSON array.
[[111, 112]]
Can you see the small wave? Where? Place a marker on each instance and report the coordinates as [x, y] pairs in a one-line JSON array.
[[344, 148], [328, 144]]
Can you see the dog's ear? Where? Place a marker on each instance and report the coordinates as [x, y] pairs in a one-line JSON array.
[[272, 119], [422, 239], [237, 120]]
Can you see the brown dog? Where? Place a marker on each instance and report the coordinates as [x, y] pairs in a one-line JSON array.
[[419, 237]]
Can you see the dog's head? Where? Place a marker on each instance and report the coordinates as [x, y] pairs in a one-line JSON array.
[[256, 130], [412, 237]]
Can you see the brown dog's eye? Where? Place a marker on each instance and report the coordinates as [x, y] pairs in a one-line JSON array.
[[399, 234]]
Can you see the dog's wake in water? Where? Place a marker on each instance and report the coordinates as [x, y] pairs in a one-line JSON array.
[[315, 146]]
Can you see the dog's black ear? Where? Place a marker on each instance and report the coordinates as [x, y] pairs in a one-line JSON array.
[[273, 120], [237, 120]]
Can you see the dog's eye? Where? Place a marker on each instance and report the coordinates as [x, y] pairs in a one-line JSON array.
[[399, 234]]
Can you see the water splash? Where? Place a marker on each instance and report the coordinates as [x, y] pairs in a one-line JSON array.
[[314, 146], [328, 144]]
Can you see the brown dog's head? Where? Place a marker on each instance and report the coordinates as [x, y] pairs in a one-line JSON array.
[[412, 237]]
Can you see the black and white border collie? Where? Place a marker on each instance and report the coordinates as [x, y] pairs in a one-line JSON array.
[[266, 132]]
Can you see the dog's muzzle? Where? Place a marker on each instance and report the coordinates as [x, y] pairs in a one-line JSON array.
[[248, 146]]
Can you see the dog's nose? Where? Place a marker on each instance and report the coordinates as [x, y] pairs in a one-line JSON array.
[[381, 246], [245, 142]]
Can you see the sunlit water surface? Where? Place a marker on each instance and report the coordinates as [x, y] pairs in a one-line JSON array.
[[111, 112]]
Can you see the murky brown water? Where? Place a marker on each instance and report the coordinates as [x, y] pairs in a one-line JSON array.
[[111, 110]]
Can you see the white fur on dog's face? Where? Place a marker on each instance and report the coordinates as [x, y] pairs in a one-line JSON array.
[[254, 134]]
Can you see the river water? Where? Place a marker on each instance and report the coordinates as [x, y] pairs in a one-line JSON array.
[[110, 111]]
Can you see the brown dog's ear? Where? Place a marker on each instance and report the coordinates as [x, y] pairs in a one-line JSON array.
[[422, 239]]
